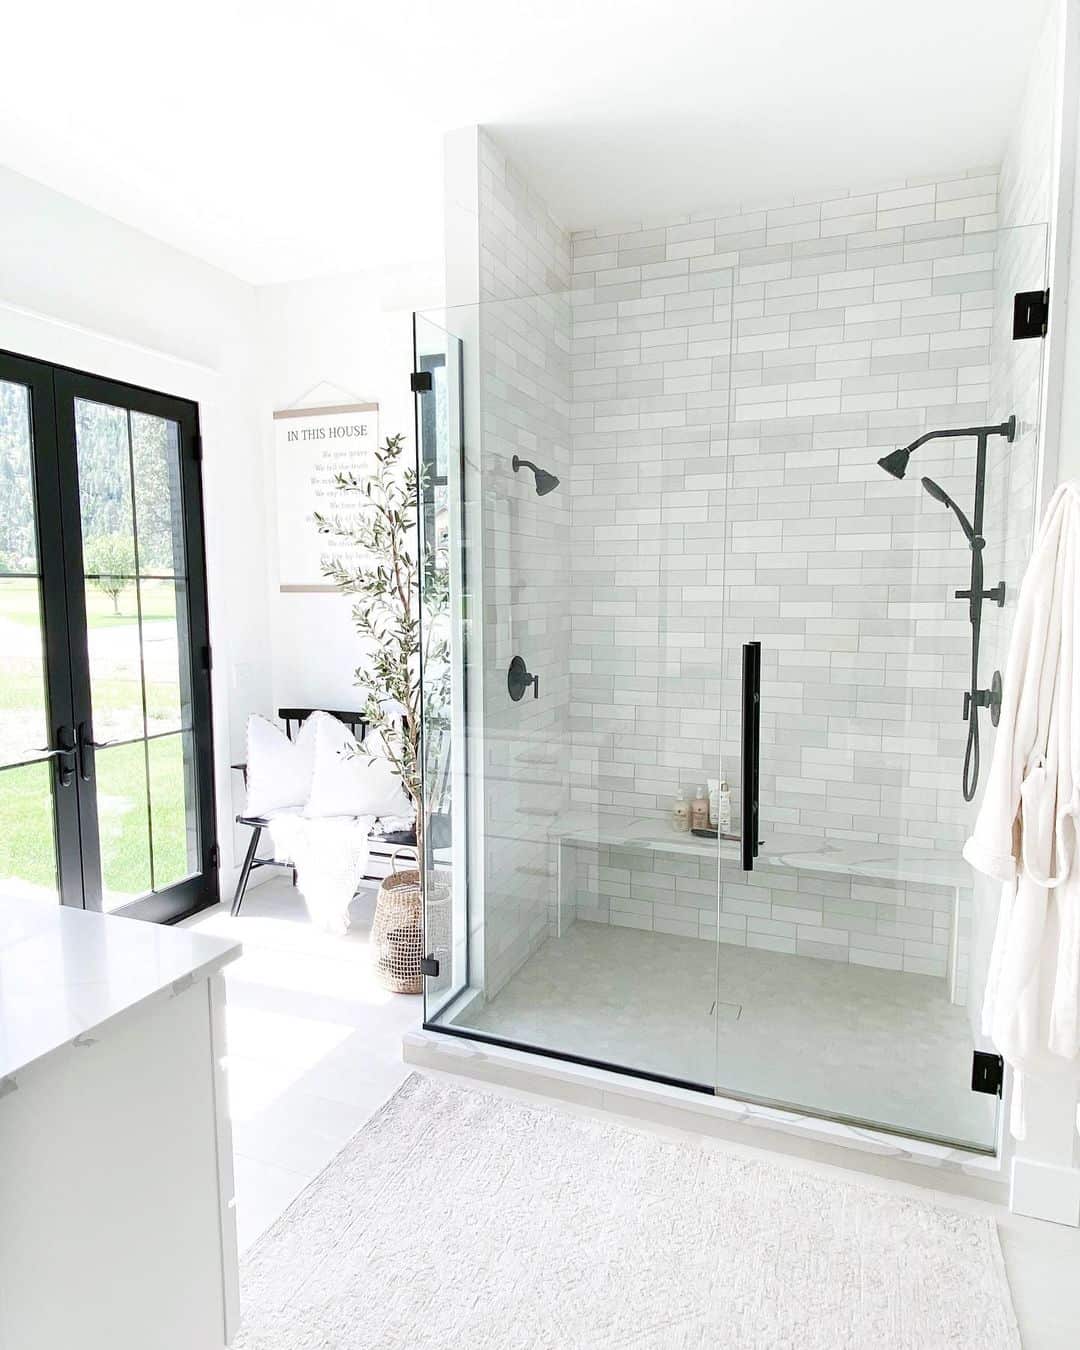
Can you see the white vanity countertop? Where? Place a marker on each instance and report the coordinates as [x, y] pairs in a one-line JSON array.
[[65, 972]]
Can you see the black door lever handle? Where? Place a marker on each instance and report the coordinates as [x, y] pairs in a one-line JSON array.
[[63, 754], [87, 746]]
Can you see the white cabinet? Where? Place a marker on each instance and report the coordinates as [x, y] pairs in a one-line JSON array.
[[117, 1223]]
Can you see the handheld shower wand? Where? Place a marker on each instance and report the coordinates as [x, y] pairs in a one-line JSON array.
[[896, 463]]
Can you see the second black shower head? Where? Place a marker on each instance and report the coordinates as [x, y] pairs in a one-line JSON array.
[[545, 482], [896, 462]]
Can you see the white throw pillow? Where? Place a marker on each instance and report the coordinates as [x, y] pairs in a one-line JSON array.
[[346, 782], [278, 770]]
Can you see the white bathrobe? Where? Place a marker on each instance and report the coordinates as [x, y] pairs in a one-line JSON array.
[[1026, 831]]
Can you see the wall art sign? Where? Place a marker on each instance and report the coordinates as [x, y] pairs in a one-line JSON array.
[[313, 445]]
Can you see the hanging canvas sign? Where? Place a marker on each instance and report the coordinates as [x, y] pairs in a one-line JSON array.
[[312, 446]]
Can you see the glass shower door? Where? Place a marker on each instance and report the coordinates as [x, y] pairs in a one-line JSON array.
[[445, 657], [854, 946]]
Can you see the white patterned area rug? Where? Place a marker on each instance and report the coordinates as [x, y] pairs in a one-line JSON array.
[[457, 1218]]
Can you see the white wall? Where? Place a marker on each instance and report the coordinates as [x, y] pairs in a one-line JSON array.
[[320, 340], [80, 289]]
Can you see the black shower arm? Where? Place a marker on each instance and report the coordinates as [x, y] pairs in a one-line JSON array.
[[952, 433]]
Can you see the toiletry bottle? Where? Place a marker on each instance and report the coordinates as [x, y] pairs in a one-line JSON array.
[[681, 813], [714, 802], [723, 819], [699, 810]]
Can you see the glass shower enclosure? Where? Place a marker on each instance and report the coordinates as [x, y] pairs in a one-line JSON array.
[[707, 540]]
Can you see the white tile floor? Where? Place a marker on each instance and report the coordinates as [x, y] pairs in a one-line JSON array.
[[314, 1044], [315, 1048]]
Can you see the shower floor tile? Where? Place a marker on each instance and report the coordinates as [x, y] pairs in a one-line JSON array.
[[874, 1045]]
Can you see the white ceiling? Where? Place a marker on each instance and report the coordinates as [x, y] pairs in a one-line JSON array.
[[287, 138]]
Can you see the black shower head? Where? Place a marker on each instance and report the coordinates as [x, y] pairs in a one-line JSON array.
[[940, 495], [545, 482], [896, 463]]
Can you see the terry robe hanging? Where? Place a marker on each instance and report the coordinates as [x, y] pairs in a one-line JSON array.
[[1026, 831]]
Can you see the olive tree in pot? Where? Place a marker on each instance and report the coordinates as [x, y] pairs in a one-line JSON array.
[[383, 573]]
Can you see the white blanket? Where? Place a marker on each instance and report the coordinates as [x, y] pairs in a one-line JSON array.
[[1025, 833], [330, 855]]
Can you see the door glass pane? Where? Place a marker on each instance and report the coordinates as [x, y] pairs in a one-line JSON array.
[[23, 722], [123, 823], [138, 637], [27, 834], [18, 541], [155, 451], [172, 809], [116, 680], [101, 434], [165, 654], [27, 818]]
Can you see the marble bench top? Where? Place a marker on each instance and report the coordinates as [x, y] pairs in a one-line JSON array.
[[65, 972], [878, 862]]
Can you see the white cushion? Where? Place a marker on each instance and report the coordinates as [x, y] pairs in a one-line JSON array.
[[278, 770], [346, 782]]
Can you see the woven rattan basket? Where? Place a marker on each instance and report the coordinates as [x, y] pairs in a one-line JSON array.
[[397, 933]]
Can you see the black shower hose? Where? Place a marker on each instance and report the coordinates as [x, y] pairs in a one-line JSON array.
[[971, 753]]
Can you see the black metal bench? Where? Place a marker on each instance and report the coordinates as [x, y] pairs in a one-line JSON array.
[[382, 850]]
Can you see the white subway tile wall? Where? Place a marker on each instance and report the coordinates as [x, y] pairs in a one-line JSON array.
[[736, 378], [714, 394]]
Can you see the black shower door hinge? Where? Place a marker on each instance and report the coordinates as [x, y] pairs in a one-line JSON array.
[[987, 1073], [429, 965], [1031, 313], [420, 381], [215, 856]]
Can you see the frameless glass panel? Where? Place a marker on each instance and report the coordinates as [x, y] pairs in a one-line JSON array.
[[593, 563], [655, 476], [27, 834], [849, 947], [123, 823], [441, 521], [173, 817]]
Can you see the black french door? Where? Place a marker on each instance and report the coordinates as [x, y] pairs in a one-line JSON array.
[[106, 779]]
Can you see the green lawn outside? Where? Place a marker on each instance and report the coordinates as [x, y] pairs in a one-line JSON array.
[[26, 829]]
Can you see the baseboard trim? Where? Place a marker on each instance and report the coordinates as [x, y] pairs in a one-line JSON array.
[[1043, 1191]]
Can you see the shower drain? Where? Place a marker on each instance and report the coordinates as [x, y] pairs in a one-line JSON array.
[[726, 1012]]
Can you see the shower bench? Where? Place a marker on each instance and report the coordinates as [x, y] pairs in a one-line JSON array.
[[899, 908]]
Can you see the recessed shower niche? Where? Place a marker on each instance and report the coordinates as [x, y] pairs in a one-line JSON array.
[[717, 397]]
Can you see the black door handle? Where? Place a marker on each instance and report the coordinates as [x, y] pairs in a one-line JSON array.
[[751, 753], [87, 746], [64, 756]]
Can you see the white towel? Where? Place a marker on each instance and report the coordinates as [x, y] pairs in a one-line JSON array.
[[330, 855], [1025, 833]]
